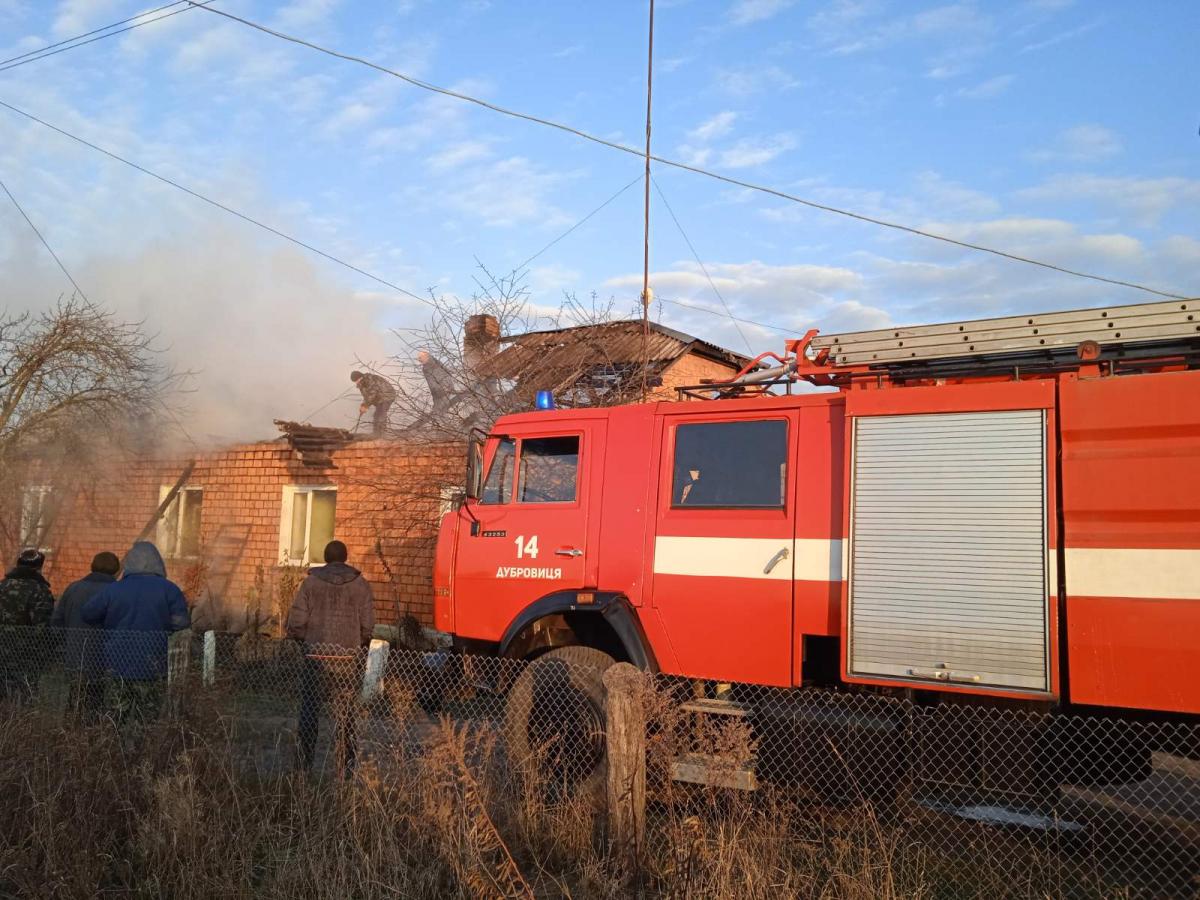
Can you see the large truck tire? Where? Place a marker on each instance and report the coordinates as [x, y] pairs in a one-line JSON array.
[[554, 721]]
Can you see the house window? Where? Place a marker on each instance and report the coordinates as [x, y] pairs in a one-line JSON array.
[[306, 524], [730, 465], [36, 515], [549, 470], [179, 527]]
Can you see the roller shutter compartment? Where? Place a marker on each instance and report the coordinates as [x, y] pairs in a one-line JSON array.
[[948, 579]]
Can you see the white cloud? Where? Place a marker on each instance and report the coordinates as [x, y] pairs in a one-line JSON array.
[[790, 297], [986, 90], [508, 192], [76, 16], [457, 154], [694, 156], [713, 127], [301, 13], [849, 27], [749, 152], [752, 80], [745, 12], [1080, 143], [566, 52], [1062, 37], [546, 283], [926, 196], [1149, 199]]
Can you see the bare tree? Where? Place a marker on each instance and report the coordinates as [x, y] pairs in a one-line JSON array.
[[446, 386], [72, 379]]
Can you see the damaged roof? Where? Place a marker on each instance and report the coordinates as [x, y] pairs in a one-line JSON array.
[[314, 444], [613, 343]]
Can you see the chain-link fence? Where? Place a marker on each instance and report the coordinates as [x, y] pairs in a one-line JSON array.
[[176, 764]]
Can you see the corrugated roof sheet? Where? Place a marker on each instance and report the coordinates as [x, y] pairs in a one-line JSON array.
[[615, 344]]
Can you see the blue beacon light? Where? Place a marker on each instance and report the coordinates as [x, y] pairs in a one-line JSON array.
[[544, 400]]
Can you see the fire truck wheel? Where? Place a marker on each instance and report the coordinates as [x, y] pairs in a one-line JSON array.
[[554, 721]]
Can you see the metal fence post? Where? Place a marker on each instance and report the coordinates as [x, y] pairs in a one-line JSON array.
[[376, 663], [209, 660], [625, 739]]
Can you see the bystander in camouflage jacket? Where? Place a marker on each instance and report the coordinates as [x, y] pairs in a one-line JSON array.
[[25, 598]]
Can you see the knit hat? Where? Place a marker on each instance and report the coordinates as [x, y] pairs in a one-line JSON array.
[[31, 558]]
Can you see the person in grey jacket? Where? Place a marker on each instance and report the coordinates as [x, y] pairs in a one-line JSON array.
[[333, 615], [82, 657]]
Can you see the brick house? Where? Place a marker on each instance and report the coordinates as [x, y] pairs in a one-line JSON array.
[[242, 529], [240, 525]]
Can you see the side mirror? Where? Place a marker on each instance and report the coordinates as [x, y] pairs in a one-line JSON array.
[[474, 486]]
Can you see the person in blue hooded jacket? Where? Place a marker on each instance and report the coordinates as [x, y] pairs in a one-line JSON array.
[[137, 613]]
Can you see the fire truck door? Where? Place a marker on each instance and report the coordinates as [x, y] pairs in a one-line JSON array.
[[533, 533], [724, 544]]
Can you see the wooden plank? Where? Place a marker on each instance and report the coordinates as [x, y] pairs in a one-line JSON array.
[[711, 707], [714, 771], [171, 495]]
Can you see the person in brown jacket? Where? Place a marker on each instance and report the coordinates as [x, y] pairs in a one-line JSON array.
[[333, 615]]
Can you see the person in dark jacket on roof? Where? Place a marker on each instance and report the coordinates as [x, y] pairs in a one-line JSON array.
[[333, 615], [26, 601], [378, 392], [81, 644], [137, 613]]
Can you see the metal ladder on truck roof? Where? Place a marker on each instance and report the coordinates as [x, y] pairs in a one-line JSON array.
[[1171, 320]]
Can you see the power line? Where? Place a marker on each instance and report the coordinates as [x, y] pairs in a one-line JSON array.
[[579, 223], [42, 238], [726, 315], [703, 268], [219, 205], [624, 148], [77, 41], [349, 392], [148, 12]]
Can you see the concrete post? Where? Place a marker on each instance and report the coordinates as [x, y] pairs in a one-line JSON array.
[[377, 657], [179, 652], [209, 665]]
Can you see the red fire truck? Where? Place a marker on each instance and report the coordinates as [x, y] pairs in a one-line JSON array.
[[1007, 508]]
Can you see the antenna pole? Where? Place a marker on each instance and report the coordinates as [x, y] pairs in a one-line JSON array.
[[646, 295]]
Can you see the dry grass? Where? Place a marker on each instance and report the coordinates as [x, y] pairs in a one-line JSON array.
[[182, 815]]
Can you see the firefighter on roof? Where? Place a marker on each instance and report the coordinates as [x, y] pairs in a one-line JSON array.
[[378, 392]]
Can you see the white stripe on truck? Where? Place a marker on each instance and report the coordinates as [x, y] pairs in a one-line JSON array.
[[1148, 574], [809, 559], [1091, 572]]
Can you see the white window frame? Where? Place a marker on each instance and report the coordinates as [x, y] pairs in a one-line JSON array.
[[167, 532], [33, 517], [447, 495], [285, 521]]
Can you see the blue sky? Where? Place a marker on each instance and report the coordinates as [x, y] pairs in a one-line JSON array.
[[1061, 130]]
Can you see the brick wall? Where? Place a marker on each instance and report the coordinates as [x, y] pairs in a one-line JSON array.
[[387, 514], [691, 369]]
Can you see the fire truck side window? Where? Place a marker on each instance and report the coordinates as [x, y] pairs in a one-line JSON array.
[[738, 465], [498, 487], [549, 470]]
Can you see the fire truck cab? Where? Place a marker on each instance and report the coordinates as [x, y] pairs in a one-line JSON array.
[[1004, 508]]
